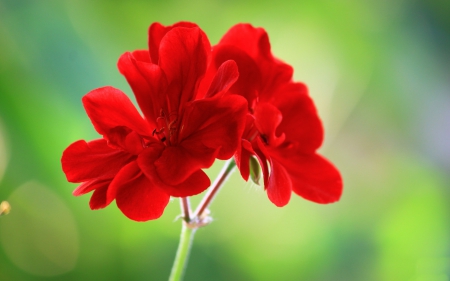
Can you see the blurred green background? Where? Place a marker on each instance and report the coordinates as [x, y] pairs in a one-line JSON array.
[[379, 72]]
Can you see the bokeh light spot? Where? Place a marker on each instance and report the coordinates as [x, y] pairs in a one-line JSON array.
[[40, 236]]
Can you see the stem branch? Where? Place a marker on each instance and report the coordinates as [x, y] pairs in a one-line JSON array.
[[220, 180], [192, 222], [185, 209]]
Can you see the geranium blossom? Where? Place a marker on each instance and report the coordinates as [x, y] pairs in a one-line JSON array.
[[283, 129], [142, 161]]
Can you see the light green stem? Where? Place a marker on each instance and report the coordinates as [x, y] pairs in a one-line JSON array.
[[191, 224], [182, 257]]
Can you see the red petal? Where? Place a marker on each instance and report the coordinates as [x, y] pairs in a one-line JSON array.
[[88, 186], [279, 187], [249, 82], [98, 199], [277, 73], [267, 119], [155, 96], [177, 163], [217, 123], [263, 155], [301, 124], [196, 183], [193, 185], [125, 139], [146, 81], [109, 108], [255, 42], [137, 197], [242, 158], [248, 38], [225, 77], [245, 149], [314, 178], [156, 32], [83, 161], [140, 55], [183, 55]]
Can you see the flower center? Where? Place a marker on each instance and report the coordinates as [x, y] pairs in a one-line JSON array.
[[264, 139], [166, 128], [253, 133]]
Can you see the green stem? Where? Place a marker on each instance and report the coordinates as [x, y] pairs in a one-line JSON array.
[[181, 259], [199, 219]]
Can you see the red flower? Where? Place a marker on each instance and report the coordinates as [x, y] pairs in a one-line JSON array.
[[283, 129], [141, 162]]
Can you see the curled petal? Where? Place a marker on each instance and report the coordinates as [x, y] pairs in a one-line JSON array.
[[136, 196], [84, 161], [267, 119], [300, 124]]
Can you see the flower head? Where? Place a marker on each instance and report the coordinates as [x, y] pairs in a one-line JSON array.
[[283, 129], [142, 161]]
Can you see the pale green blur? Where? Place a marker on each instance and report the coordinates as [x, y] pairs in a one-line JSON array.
[[379, 74]]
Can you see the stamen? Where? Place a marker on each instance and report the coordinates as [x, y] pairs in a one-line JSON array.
[[160, 134], [166, 129], [252, 133]]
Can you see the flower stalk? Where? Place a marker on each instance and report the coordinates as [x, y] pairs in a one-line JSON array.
[[202, 209], [185, 209], [192, 222], [182, 256]]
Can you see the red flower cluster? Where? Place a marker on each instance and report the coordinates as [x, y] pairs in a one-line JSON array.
[[282, 129], [199, 103]]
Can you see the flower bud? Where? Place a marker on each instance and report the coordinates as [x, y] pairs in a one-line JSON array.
[[255, 170]]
